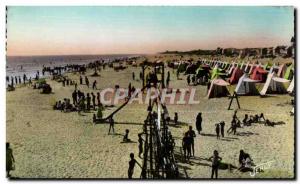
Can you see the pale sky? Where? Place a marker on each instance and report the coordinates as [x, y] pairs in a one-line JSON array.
[[142, 30]]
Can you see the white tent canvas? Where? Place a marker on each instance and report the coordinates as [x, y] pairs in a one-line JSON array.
[[291, 86], [246, 67], [218, 88], [274, 84], [231, 69], [246, 86]]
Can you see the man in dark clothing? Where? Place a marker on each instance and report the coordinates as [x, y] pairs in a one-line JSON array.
[[199, 122], [215, 164], [188, 79], [98, 98], [176, 118], [24, 78], [80, 80], [88, 102], [192, 134], [218, 130], [87, 82], [94, 100], [74, 96], [186, 145], [94, 84], [111, 125], [222, 124], [133, 76]]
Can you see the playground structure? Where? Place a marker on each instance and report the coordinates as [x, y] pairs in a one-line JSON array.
[[158, 157]]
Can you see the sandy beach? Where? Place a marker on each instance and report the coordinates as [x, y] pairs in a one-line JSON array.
[[53, 144]]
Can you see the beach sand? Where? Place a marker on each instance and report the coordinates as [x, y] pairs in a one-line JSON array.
[[53, 144]]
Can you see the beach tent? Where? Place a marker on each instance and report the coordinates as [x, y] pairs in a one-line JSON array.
[[218, 88], [246, 86], [290, 89], [251, 68], [216, 72], [243, 66], [288, 73], [259, 74], [227, 65], [182, 67], [236, 74], [281, 70], [274, 85], [272, 69], [231, 69], [247, 67]]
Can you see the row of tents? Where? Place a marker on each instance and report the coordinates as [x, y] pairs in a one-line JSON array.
[[275, 79]]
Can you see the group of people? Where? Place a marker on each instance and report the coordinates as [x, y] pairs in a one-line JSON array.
[[248, 120], [188, 143], [64, 106], [194, 80], [12, 81], [87, 82]]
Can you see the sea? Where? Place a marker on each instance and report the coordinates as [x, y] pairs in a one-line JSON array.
[[29, 65]]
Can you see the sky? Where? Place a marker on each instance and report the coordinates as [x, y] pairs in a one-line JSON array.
[[143, 30]]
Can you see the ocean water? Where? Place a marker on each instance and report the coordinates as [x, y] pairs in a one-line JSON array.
[[29, 65]]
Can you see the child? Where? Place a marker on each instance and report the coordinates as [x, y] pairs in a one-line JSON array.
[[132, 163], [215, 163]]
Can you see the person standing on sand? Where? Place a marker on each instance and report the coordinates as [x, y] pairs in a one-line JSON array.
[[218, 130], [192, 134], [176, 118], [215, 164], [188, 79], [94, 100], [111, 125], [74, 96], [94, 84], [24, 78], [88, 102], [140, 144], [199, 123], [87, 82], [133, 76], [132, 163], [80, 80], [98, 99], [186, 145], [222, 125], [10, 160]]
